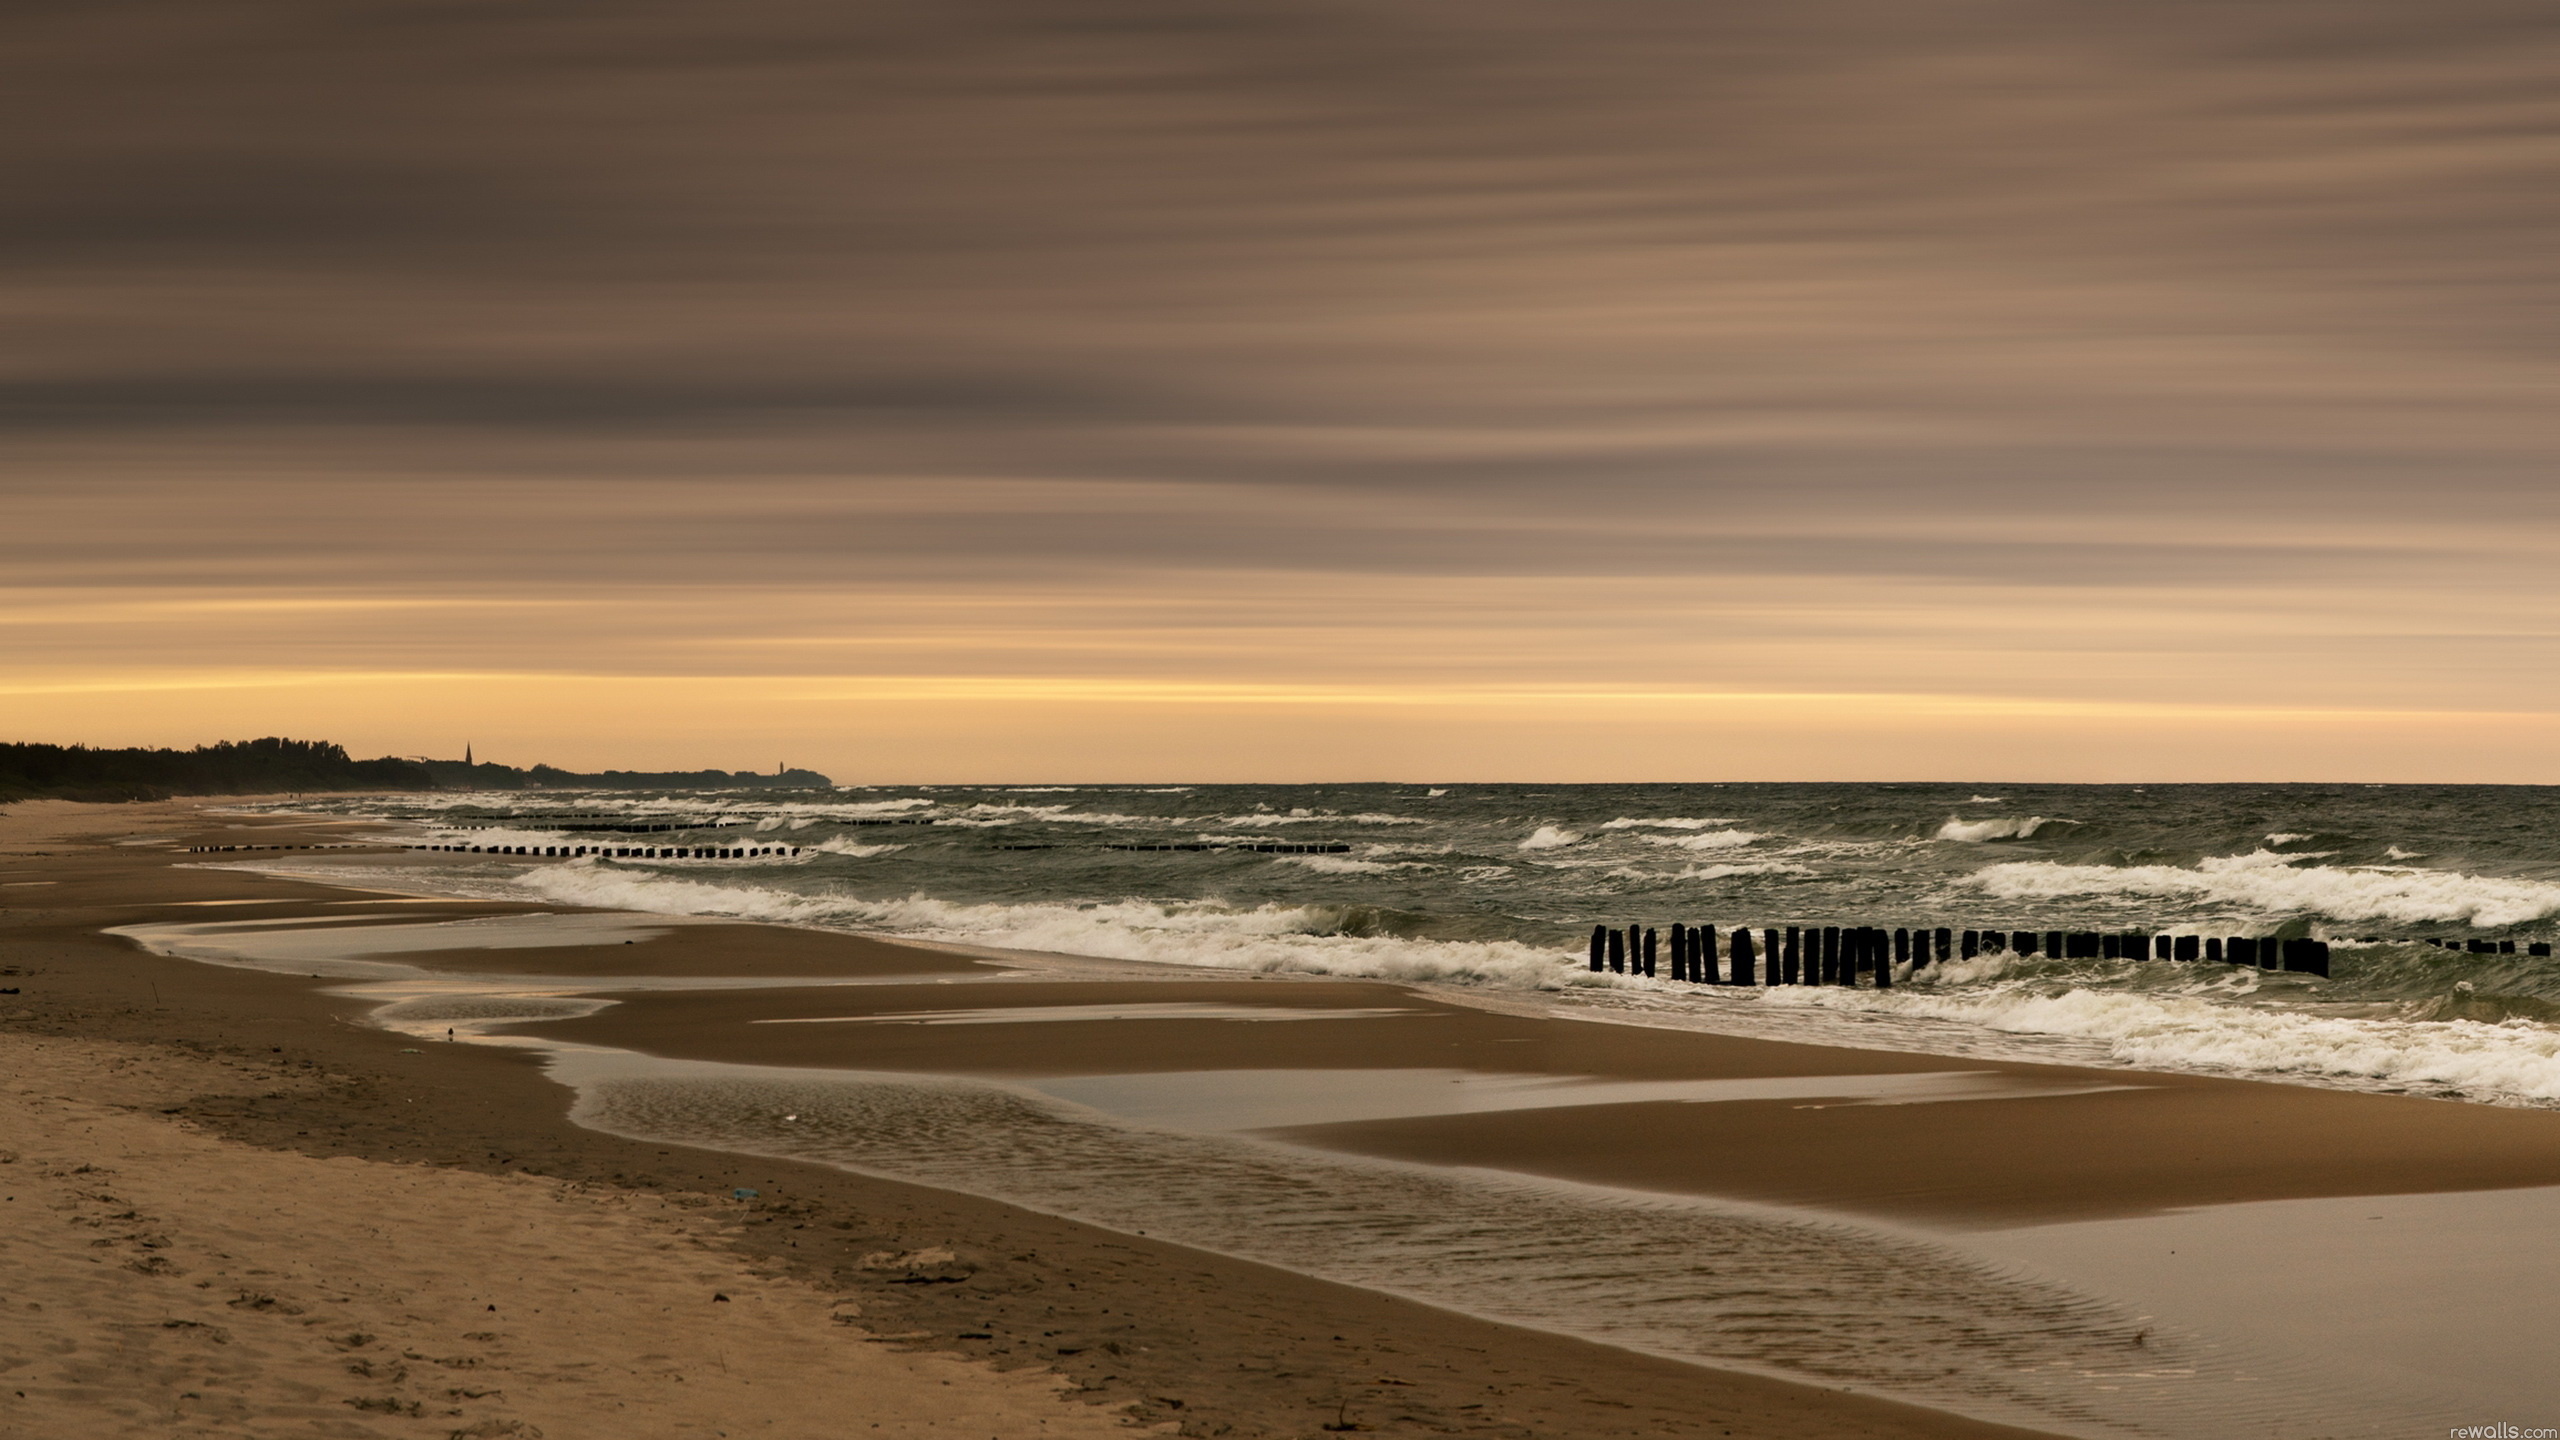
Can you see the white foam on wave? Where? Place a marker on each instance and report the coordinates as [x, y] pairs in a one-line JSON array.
[[1712, 840], [1551, 837], [499, 835], [847, 845], [2285, 837], [1996, 828], [2277, 884], [1705, 872], [1727, 872], [1259, 821], [2202, 1030], [1269, 938], [1675, 823], [852, 810], [1347, 865]]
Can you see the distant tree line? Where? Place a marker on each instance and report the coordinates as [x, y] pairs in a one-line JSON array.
[[276, 765], [231, 767], [455, 775]]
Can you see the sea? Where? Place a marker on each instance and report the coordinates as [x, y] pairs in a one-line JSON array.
[[2372, 1316], [1498, 887]]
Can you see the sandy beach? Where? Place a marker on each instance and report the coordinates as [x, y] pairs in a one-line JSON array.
[[257, 1119]]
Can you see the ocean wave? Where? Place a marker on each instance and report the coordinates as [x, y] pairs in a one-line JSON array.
[[2276, 885], [1717, 840], [1997, 828], [1309, 939], [1727, 872], [1259, 820], [1677, 823], [1702, 872], [1346, 865], [2510, 1059], [1551, 837], [493, 836], [2285, 837], [847, 845]]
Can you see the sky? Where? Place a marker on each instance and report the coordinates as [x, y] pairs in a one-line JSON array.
[[1014, 390]]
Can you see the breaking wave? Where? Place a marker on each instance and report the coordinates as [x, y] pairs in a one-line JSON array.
[[1958, 828], [2274, 884], [2208, 1024], [1713, 840], [1309, 939]]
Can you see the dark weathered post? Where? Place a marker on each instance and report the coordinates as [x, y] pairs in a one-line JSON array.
[[1742, 956], [1702, 956], [1783, 965], [2213, 949], [1599, 948], [1679, 951], [1649, 942], [2054, 946], [1884, 963], [1971, 945], [1901, 947], [1830, 972], [1767, 974], [1617, 952]]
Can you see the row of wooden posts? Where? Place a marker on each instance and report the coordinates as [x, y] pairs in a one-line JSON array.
[[1842, 954]]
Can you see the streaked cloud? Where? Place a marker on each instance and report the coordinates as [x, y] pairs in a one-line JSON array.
[[2134, 375]]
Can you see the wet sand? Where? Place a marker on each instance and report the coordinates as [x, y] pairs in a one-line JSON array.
[[1158, 1333], [2168, 1142]]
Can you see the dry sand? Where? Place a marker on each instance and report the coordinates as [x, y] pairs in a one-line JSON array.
[[402, 1185], [164, 1282]]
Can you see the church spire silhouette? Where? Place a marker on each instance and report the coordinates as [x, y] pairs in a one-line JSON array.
[[466, 752]]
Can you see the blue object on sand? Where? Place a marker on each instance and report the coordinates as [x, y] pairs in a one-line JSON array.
[[742, 1193]]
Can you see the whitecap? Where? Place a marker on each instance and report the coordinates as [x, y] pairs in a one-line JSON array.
[[846, 845], [1716, 840], [1997, 828], [2195, 1031], [2275, 884], [1273, 938]]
